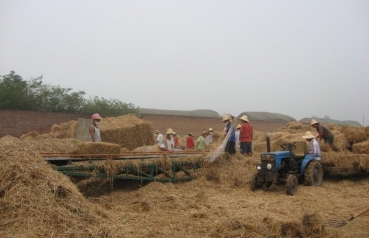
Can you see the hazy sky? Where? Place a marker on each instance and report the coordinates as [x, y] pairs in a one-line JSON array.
[[300, 58]]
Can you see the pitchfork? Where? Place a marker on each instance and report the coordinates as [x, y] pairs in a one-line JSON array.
[[338, 224]]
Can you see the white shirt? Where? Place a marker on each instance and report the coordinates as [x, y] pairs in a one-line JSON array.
[[167, 144], [159, 139], [237, 134], [209, 138], [315, 148]]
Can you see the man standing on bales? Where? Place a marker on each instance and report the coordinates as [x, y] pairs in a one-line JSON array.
[[231, 143], [201, 141], [190, 142], [209, 137], [159, 137], [324, 132], [94, 128], [167, 144], [314, 145], [237, 134], [246, 134]]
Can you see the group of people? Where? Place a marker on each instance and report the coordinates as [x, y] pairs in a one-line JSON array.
[[239, 138], [171, 140], [323, 133]]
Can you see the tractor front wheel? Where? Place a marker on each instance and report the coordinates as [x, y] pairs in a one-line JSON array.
[[291, 184], [253, 184], [313, 174]]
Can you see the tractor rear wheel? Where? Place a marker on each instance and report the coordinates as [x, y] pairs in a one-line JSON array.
[[253, 184], [313, 174], [291, 184]]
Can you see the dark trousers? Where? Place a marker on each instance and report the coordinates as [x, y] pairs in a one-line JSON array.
[[231, 147]]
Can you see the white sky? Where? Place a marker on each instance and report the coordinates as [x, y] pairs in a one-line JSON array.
[[299, 58]]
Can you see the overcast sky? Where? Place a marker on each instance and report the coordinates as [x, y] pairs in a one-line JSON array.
[[299, 58]]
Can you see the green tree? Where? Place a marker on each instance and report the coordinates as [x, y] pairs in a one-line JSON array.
[[13, 91]]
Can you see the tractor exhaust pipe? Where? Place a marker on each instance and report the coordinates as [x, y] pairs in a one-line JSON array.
[[268, 143]]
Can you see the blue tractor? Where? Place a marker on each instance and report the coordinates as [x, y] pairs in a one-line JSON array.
[[290, 166]]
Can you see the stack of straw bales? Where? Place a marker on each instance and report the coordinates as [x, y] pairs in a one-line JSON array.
[[128, 131], [36, 201], [96, 148]]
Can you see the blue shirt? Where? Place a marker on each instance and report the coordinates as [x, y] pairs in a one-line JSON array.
[[233, 136]]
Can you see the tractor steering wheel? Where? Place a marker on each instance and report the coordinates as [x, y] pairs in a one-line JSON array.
[[288, 146]]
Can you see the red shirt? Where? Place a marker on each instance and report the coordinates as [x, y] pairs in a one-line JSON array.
[[246, 132], [176, 141], [190, 142]]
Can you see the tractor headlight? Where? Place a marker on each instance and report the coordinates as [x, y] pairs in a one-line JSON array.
[[258, 166], [269, 166]]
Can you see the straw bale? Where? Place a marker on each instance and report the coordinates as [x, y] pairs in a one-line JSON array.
[[96, 148], [30, 135], [37, 201], [259, 136], [367, 131], [312, 224], [259, 146], [68, 130], [361, 148], [340, 143], [345, 160], [324, 147], [129, 131], [283, 228], [333, 127], [52, 145], [150, 148], [354, 134]]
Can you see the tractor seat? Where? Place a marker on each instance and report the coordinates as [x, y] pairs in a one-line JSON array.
[[301, 149]]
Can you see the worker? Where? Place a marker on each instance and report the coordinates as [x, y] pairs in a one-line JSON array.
[[167, 143], [201, 141], [324, 132], [209, 137], [231, 143], [314, 145], [246, 135], [159, 137], [237, 134], [190, 142], [94, 128], [176, 140]]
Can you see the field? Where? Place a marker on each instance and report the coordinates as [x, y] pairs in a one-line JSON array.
[[37, 201]]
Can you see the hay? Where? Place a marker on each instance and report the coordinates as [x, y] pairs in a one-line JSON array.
[[96, 148], [361, 148], [345, 160], [30, 135], [354, 134], [152, 148], [128, 131], [340, 143], [237, 228], [55, 128], [312, 224], [37, 201], [367, 131]]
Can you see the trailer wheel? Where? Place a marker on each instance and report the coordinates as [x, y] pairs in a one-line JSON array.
[[253, 184], [313, 174], [291, 184]]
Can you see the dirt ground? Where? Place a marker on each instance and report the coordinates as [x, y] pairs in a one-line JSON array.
[[219, 203]]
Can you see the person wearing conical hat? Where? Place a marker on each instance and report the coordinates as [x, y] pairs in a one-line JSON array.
[[201, 141], [167, 144], [209, 137], [246, 135], [94, 128], [237, 134], [231, 144], [159, 137], [314, 145], [324, 132]]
